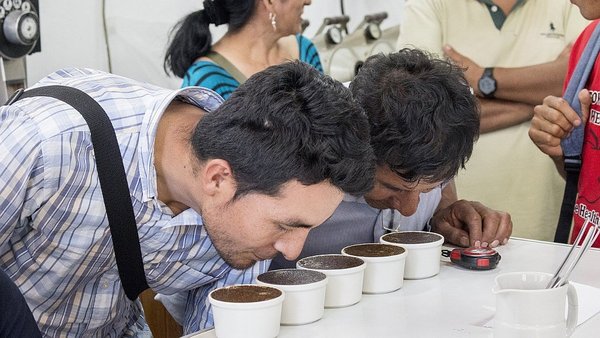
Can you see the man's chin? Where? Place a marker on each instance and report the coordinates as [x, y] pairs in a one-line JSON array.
[[241, 265]]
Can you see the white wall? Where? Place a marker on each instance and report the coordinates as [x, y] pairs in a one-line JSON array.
[[73, 35]]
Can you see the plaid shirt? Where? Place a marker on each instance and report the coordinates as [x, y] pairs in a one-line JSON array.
[[54, 237]]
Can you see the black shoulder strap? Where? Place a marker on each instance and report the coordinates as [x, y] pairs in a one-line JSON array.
[[113, 182], [565, 219]]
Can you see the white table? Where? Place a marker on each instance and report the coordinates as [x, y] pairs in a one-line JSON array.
[[456, 303]]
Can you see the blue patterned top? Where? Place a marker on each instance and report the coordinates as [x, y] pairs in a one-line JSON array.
[[210, 75]]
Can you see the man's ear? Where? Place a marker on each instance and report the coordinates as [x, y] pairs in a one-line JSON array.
[[217, 179]]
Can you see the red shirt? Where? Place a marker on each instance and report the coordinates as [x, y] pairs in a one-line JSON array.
[[588, 199]]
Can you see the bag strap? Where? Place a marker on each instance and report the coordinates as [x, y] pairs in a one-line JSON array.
[[565, 218], [113, 182], [228, 66]]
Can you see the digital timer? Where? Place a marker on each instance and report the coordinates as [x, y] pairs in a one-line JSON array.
[[475, 258]]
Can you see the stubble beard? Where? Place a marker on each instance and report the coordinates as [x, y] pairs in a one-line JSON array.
[[226, 249]]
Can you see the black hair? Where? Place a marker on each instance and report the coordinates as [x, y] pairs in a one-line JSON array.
[[423, 116], [191, 36], [289, 122]]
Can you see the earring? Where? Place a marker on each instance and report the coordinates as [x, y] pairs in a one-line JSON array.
[[272, 17]]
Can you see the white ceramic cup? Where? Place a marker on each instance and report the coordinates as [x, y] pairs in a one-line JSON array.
[[249, 319], [385, 265], [345, 275], [423, 252], [526, 308], [304, 293]]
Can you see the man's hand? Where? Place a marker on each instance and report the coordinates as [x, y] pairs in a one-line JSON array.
[[554, 119], [472, 70], [467, 223]]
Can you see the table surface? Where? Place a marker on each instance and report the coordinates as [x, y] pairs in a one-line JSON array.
[[456, 303]]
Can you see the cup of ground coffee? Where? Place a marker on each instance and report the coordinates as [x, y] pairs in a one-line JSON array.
[[304, 293], [345, 275], [423, 248], [385, 265], [246, 311]]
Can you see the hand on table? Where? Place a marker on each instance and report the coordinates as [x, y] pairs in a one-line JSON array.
[[467, 223]]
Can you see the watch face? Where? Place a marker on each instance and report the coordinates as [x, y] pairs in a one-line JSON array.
[[487, 85]]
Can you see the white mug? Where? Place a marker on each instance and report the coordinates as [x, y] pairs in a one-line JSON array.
[[344, 285], [385, 265], [248, 319], [304, 293], [422, 255], [526, 308]]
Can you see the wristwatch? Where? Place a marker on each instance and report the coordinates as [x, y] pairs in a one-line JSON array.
[[487, 83]]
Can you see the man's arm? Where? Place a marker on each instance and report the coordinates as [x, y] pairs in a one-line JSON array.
[[499, 114], [531, 84], [468, 223], [527, 85]]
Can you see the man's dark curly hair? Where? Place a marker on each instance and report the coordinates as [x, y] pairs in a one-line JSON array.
[[423, 116]]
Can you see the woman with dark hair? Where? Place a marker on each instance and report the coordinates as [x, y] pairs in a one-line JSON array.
[[261, 33]]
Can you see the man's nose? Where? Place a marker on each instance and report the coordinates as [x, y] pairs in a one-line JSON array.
[[290, 245], [406, 203]]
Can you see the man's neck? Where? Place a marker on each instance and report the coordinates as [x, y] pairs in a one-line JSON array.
[[173, 155]]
